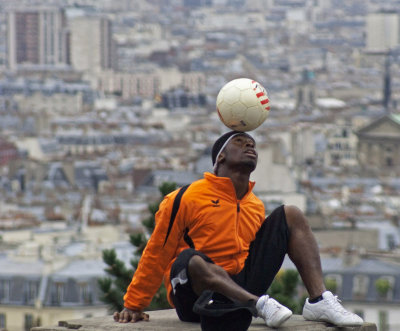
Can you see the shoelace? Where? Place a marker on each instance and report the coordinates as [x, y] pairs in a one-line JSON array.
[[335, 301], [270, 306]]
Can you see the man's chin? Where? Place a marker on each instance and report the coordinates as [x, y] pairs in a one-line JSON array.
[[249, 166]]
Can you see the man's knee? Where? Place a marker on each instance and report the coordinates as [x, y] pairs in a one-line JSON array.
[[203, 274], [295, 217], [200, 274], [196, 262]]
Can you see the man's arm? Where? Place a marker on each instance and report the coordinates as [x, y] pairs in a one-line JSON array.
[[152, 265]]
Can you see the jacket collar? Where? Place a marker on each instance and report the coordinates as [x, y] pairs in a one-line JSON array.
[[225, 184]]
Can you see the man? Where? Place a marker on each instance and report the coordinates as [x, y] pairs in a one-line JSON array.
[[220, 241]]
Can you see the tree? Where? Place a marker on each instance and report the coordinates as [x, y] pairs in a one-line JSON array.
[[383, 286], [284, 290], [331, 284], [114, 287]]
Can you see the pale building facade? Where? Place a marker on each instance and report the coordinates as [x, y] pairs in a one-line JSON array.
[[275, 181], [341, 149], [383, 31], [366, 286], [55, 104], [36, 37], [52, 275], [379, 145], [91, 43], [128, 85], [147, 84]]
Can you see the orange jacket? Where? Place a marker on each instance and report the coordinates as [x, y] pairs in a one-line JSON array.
[[220, 226]]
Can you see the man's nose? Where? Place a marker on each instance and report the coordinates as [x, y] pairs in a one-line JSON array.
[[249, 142]]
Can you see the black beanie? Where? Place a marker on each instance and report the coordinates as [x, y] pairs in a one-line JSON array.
[[219, 143]]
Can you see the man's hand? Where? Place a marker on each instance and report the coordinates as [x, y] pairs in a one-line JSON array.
[[128, 315]]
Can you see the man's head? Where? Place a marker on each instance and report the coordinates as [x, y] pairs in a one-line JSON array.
[[234, 142]]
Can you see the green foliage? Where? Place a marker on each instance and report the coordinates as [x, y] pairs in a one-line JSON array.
[[290, 279], [116, 267], [111, 295], [139, 241], [114, 287], [160, 299], [149, 222], [331, 284], [382, 286], [284, 289], [167, 187]]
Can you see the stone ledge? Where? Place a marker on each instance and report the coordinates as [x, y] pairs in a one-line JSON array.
[[168, 320]]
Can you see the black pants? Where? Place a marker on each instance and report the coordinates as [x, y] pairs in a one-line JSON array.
[[266, 255]]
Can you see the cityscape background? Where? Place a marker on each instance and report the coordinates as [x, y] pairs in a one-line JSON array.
[[102, 101]]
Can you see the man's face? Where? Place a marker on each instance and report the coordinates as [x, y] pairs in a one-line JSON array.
[[241, 152]]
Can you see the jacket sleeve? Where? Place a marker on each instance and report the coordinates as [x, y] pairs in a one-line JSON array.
[[155, 258]]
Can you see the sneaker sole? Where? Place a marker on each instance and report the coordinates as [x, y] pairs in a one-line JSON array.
[[283, 319]]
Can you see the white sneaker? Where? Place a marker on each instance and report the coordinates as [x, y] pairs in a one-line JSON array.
[[273, 313], [330, 310]]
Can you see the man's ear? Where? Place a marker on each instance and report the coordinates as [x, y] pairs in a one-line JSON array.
[[221, 157]]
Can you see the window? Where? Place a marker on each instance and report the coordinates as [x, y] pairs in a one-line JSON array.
[[59, 289], [28, 322], [2, 321], [4, 290], [360, 286], [384, 287], [84, 293], [391, 241], [333, 283], [383, 321], [32, 290]]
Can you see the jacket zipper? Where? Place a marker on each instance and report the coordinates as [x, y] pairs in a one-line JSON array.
[[237, 232]]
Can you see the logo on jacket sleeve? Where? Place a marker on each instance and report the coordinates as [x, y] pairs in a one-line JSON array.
[[215, 203]]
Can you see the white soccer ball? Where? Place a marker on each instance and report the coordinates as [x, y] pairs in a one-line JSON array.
[[243, 104]]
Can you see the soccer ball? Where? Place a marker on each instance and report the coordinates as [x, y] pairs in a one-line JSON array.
[[242, 104]]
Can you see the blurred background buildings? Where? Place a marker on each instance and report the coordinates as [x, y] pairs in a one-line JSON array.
[[102, 101]]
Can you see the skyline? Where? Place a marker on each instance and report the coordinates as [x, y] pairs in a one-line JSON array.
[[130, 103]]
